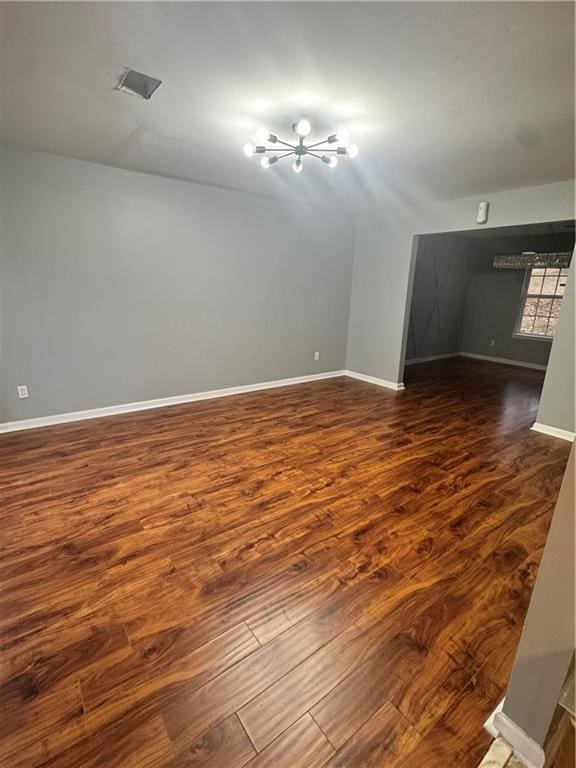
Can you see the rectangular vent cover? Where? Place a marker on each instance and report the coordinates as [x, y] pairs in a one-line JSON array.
[[138, 84]]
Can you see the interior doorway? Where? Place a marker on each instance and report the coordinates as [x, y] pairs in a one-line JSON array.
[[491, 295]]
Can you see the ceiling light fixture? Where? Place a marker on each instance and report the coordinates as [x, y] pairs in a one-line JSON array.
[[302, 128]]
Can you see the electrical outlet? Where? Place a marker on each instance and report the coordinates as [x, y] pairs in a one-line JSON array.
[[492, 342], [22, 391], [316, 355]]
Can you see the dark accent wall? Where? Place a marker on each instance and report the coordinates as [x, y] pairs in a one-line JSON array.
[[492, 301], [461, 303], [443, 269]]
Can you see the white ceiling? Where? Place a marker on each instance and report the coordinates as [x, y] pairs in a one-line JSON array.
[[444, 99]]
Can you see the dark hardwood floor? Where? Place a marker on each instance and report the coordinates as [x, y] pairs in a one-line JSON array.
[[330, 574]]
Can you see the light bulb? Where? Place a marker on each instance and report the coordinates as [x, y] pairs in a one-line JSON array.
[[297, 166], [248, 149], [353, 150], [262, 134], [333, 162], [343, 136], [302, 128], [265, 162]]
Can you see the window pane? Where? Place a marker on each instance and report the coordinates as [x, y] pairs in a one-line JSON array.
[[556, 304], [540, 314], [530, 306], [535, 284], [544, 307], [552, 323], [550, 282], [562, 282], [540, 325], [526, 325]]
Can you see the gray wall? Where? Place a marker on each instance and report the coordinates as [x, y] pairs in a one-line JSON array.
[[547, 644], [558, 401], [492, 300], [384, 264], [120, 286]]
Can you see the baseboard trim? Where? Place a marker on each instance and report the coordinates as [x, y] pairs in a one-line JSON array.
[[431, 358], [563, 434], [504, 361], [397, 386], [163, 402], [489, 724], [524, 746]]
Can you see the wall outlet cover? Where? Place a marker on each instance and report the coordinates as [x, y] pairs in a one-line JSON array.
[[316, 355], [22, 391]]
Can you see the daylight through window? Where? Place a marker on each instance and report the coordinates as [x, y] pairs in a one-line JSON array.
[[541, 300]]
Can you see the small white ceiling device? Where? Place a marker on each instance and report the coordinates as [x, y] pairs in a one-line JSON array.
[[482, 216]]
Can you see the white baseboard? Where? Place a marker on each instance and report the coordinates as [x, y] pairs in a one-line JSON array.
[[523, 745], [430, 358], [489, 724], [145, 405], [564, 434], [504, 361], [395, 385], [163, 402]]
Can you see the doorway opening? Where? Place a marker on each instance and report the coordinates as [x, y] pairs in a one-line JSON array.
[[493, 296]]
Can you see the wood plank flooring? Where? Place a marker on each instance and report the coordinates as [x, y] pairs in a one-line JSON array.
[[330, 574]]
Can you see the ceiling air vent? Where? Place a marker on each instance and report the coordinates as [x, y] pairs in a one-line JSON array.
[[138, 84]]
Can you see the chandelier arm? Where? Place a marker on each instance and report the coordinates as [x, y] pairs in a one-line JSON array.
[[318, 143], [275, 150], [282, 149]]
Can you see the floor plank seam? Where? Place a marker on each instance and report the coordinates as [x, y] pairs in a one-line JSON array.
[[334, 747], [248, 627], [237, 716]]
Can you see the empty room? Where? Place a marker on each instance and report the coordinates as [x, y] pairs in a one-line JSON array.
[[287, 396]]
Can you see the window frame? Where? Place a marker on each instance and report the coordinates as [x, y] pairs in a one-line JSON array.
[[517, 333]]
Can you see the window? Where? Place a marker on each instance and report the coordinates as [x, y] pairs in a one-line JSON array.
[[541, 299]]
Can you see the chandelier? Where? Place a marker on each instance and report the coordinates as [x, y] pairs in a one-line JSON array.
[[282, 149]]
